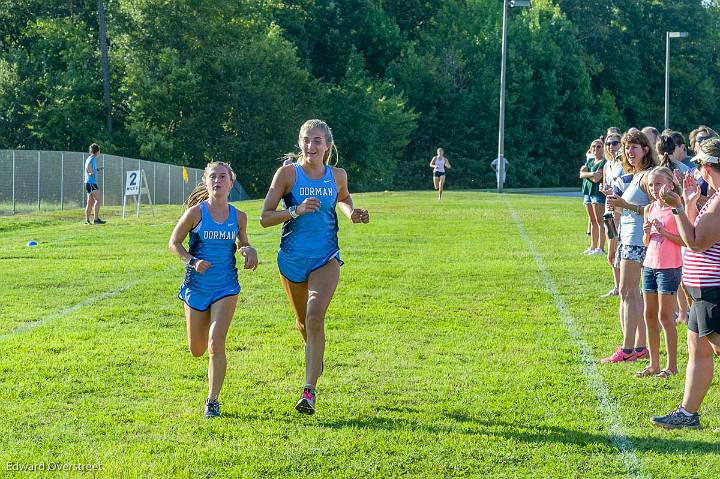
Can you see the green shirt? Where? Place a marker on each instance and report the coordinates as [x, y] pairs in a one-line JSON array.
[[590, 187]]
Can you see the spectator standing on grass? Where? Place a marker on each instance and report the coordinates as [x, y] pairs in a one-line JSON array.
[[611, 172], [652, 134], [699, 136], [309, 255], [495, 165], [594, 200], [94, 199], [210, 288], [665, 148], [638, 158], [670, 156], [680, 152], [662, 271], [700, 231]]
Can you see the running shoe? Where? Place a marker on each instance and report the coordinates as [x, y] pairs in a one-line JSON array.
[[588, 251], [598, 251], [612, 292], [98, 221], [619, 357], [212, 408], [87, 222], [677, 420], [644, 354], [306, 404]]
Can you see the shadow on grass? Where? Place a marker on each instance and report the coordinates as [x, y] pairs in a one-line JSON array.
[[528, 432]]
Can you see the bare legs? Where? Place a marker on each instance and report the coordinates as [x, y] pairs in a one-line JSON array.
[[683, 306], [597, 227], [659, 311], [207, 330], [93, 203], [439, 184], [310, 301], [612, 249], [699, 372], [631, 305]]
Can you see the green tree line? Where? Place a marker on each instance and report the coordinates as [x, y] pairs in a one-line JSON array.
[[232, 80]]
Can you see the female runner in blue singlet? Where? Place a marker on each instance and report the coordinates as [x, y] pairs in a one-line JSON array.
[[309, 257], [210, 288]]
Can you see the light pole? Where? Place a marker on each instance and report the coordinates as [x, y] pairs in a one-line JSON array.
[[501, 128], [668, 36], [102, 33]]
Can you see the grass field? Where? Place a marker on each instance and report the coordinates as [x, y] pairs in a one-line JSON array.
[[462, 342]]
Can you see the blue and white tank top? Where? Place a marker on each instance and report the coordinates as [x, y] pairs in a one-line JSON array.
[[312, 235], [213, 242], [93, 166], [631, 223]]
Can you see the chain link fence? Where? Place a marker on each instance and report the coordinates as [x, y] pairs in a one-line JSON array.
[[53, 180]]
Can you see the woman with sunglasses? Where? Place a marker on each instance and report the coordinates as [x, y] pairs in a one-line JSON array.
[[592, 173], [699, 136], [611, 172]]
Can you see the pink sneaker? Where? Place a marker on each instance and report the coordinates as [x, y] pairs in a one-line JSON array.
[[644, 354], [619, 357]]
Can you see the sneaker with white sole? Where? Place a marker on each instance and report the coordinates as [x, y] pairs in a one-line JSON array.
[[612, 292], [597, 251], [644, 354], [677, 419], [619, 356], [588, 251], [212, 408], [306, 404]]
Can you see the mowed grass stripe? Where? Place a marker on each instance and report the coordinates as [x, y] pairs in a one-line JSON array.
[[595, 381], [446, 357]]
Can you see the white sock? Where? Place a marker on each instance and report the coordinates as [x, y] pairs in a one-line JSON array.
[[684, 411]]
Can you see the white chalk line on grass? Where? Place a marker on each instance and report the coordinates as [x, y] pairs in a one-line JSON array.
[[59, 314], [609, 409], [65, 312]]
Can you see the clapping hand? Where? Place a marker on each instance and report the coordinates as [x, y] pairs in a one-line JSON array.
[[669, 196], [691, 190], [658, 226], [647, 227]]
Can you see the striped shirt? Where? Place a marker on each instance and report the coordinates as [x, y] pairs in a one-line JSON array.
[[701, 269]]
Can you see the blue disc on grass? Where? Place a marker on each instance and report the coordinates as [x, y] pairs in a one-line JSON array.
[[32, 243]]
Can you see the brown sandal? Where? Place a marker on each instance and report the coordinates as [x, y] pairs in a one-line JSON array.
[[665, 374], [646, 372]]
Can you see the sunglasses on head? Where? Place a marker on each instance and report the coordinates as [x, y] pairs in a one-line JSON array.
[[700, 139], [612, 143], [596, 146]]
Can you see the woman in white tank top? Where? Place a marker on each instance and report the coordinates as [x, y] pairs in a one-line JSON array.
[[439, 163]]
